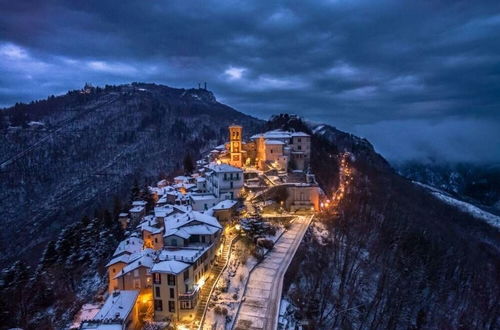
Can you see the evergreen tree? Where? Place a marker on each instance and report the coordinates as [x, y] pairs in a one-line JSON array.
[[188, 164], [117, 206], [3, 120], [49, 256], [148, 197], [135, 192]]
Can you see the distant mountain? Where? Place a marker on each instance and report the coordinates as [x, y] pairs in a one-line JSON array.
[[473, 182], [65, 156]]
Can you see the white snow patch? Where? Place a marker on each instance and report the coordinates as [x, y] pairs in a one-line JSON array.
[[473, 210]]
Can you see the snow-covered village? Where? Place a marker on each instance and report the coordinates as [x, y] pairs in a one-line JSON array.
[[249, 165], [212, 250]]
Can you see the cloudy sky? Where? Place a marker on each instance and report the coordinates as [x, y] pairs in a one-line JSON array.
[[420, 79]]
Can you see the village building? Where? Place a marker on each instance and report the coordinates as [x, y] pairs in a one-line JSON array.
[[121, 257], [124, 220], [136, 274], [138, 210], [222, 182], [119, 312], [190, 244], [270, 150], [224, 210]]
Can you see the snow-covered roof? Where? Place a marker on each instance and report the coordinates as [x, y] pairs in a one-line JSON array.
[[186, 186], [169, 267], [200, 230], [136, 209], [275, 134], [225, 204], [300, 134], [129, 245], [163, 211], [139, 203], [274, 142], [223, 168], [151, 229], [201, 179], [143, 261], [118, 305], [121, 258], [181, 220], [202, 197], [177, 232], [123, 215]]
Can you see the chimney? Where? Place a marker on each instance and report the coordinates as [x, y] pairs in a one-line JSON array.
[[205, 85]]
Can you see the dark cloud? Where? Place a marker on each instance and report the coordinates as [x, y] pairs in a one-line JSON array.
[[400, 71]]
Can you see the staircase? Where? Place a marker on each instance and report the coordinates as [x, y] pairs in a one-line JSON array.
[[206, 290]]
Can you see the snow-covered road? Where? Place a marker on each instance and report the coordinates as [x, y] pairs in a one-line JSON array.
[[262, 297]]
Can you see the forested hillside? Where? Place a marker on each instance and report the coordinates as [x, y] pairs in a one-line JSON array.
[[479, 183], [392, 256], [87, 146]]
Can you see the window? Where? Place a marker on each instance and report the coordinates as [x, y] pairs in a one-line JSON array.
[[299, 147], [171, 279], [172, 294], [158, 305], [137, 283], [299, 139], [156, 239], [186, 275], [136, 272], [157, 291], [173, 242], [231, 184], [157, 278], [171, 306], [186, 305], [113, 270], [203, 238]]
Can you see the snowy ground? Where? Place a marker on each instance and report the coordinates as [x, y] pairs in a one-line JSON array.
[[286, 317], [475, 211], [227, 295]]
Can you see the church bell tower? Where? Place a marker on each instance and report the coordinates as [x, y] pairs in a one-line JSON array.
[[235, 145]]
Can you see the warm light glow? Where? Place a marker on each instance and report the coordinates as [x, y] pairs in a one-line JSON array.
[[218, 162], [201, 282], [237, 227]]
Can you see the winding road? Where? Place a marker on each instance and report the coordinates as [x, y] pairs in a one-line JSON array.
[[262, 296]]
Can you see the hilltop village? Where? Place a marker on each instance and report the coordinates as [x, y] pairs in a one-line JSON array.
[[164, 273]]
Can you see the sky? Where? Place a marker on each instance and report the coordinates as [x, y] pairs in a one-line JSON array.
[[419, 79]]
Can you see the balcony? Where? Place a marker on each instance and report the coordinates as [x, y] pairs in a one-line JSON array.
[[189, 296]]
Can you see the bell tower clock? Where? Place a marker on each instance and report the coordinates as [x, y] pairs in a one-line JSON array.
[[235, 145]]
